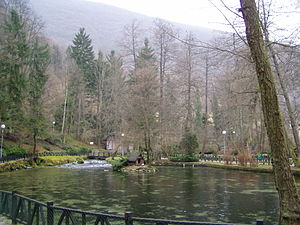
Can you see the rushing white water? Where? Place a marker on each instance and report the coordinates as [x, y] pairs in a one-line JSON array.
[[88, 164]]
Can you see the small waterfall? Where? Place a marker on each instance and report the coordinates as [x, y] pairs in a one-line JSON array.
[[88, 164]]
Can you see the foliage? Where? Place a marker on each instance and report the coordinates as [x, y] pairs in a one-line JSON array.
[[58, 160], [41, 161], [244, 157], [15, 150], [14, 57], [83, 54], [36, 83], [189, 143], [184, 158], [118, 163]]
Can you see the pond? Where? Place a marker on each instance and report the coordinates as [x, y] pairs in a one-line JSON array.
[[200, 194]]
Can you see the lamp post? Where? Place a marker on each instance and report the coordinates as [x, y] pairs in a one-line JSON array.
[[224, 133], [53, 124], [1, 147], [122, 137]]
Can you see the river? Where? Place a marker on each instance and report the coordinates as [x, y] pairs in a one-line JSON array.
[[201, 194]]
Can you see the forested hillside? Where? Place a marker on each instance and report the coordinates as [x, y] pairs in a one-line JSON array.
[[156, 91], [104, 23]]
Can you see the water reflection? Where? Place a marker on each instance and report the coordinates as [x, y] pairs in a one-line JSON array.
[[202, 194]]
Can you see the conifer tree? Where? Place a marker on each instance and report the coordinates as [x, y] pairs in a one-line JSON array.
[[14, 63], [83, 54], [36, 83]]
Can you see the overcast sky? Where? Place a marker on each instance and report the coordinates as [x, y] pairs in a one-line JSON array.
[[203, 13]]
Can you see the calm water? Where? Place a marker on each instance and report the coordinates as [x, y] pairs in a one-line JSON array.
[[201, 194]]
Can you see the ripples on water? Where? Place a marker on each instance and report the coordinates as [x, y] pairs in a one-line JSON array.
[[199, 194]]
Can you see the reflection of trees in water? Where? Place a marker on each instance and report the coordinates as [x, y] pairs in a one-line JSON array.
[[205, 194]]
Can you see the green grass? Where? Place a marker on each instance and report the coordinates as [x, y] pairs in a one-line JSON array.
[[41, 161]]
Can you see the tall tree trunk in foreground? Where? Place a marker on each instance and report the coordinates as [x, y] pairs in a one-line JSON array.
[[284, 180]]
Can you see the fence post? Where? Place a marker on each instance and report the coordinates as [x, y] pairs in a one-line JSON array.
[[13, 207], [128, 218], [259, 222], [50, 213]]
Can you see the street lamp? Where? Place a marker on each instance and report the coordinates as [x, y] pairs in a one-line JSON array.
[[157, 116], [1, 146], [224, 133], [122, 137], [53, 123]]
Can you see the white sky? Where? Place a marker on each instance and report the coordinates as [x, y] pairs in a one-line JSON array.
[[193, 12], [203, 13]]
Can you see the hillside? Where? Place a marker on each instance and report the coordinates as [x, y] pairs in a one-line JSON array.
[[104, 23]]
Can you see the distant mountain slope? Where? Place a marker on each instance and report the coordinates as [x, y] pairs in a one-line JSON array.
[[104, 23]]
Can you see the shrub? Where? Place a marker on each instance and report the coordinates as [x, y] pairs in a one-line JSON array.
[[244, 157], [184, 158], [84, 150], [70, 150], [14, 151], [118, 164], [189, 143]]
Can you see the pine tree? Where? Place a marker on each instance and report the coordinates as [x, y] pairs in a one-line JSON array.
[[14, 63], [36, 83], [113, 88], [83, 54]]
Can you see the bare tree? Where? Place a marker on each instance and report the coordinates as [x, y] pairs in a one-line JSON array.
[[284, 180]]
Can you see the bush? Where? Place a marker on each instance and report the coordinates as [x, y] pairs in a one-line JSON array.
[[244, 157], [84, 150], [119, 163], [228, 158], [184, 158], [14, 151], [70, 150], [189, 143]]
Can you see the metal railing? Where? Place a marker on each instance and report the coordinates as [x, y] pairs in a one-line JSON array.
[[31, 212]]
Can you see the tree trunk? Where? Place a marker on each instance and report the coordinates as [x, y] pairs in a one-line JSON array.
[[284, 180], [65, 111], [206, 105], [34, 142]]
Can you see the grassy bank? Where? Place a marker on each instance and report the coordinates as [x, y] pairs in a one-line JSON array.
[[258, 169], [41, 161]]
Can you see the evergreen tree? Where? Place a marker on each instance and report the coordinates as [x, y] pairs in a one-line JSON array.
[[82, 53], [36, 83], [14, 63], [113, 90]]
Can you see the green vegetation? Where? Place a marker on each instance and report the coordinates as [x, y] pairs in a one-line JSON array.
[[184, 158], [14, 150], [117, 162], [40, 161], [189, 143]]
